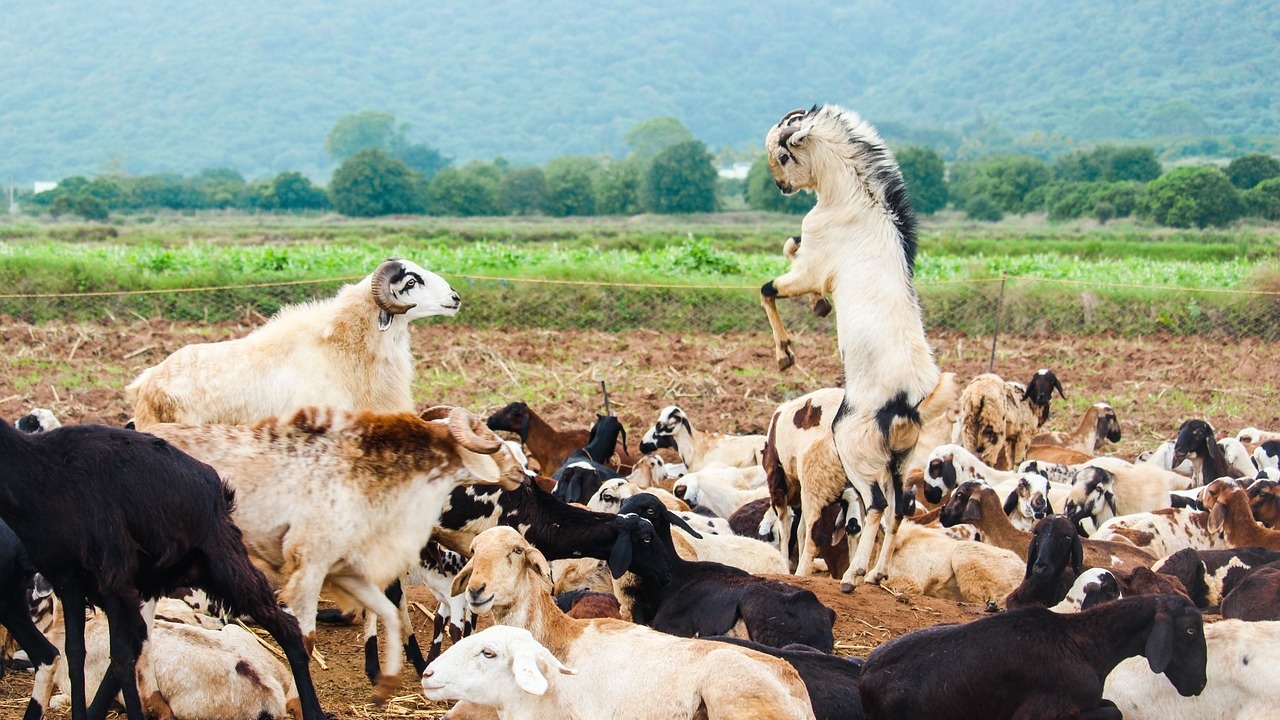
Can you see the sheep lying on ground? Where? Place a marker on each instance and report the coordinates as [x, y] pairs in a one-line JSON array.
[[1098, 424], [663, 677], [1163, 532], [700, 449], [999, 419], [720, 488], [349, 352]]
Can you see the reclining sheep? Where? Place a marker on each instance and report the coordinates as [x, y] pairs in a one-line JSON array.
[[348, 352]]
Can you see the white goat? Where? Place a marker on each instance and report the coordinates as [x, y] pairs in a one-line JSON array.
[[506, 669], [1243, 670], [345, 501], [700, 449], [858, 245], [349, 352], [664, 676]]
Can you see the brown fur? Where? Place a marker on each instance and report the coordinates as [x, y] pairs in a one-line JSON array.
[[1056, 454], [1233, 516]]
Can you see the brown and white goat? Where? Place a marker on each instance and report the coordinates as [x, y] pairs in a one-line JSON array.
[[1098, 424]]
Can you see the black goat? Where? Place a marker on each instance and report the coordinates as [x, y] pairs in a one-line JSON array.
[[584, 470], [1040, 391], [1210, 575], [1032, 662], [1196, 441], [1054, 560], [16, 574], [707, 598], [832, 681], [114, 517]]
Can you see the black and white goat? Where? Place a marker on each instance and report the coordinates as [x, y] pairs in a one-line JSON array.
[[578, 478]]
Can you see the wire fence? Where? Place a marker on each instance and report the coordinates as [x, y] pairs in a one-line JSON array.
[[1015, 305]]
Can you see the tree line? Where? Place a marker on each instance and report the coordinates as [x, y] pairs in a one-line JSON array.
[[668, 171]]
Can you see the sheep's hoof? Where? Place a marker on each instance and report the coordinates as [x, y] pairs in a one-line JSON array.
[[846, 588], [822, 308], [385, 688]]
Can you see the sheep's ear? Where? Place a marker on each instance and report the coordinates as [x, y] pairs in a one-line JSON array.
[[620, 555], [1077, 554], [460, 581], [538, 562], [1160, 641], [1011, 503], [1058, 386], [1217, 518], [529, 677], [972, 510]]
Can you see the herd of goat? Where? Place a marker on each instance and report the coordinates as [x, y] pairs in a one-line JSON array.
[[262, 472]]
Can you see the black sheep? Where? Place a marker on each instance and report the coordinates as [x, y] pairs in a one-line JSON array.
[[114, 517]]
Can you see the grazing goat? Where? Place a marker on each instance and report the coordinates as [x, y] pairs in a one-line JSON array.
[[699, 449], [350, 352], [1099, 423], [999, 419], [1196, 442], [706, 598], [550, 446], [663, 677], [859, 246], [148, 519], [581, 474], [1049, 665], [345, 501], [1240, 662], [979, 506]]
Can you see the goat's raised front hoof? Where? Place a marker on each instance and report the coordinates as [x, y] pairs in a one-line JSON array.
[[785, 357], [822, 307], [385, 688]]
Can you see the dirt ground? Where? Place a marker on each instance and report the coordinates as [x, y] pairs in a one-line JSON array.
[[726, 383]]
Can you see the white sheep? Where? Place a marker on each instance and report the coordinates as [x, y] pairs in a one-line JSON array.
[[720, 488], [858, 245], [348, 352], [700, 449], [345, 501], [625, 671], [503, 668], [1243, 670]]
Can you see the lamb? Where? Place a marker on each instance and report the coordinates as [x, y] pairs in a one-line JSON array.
[[358, 493], [979, 506], [348, 352], [998, 419], [1240, 662], [719, 488], [1098, 424], [550, 446], [704, 598], [148, 519], [1196, 442], [192, 667], [664, 676], [1050, 665], [859, 245], [1163, 532], [700, 449]]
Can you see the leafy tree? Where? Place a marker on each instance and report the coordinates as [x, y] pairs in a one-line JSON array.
[[1176, 117], [618, 189], [294, 191], [82, 204], [228, 174], [1103, 122], [652, 136], [1108, 163], [166, 191], [468, 191], [425, 160], [523, 191], [1006, 180], [1104, 211], [1187, 196], [681, 179], [1263, 199], [1247, 171], [571, 186], [982, 207], [361, 131], [925, 175], [763, 194], [371, 183]]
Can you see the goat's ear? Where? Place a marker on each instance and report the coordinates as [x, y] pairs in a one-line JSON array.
[[538, 562], [1077, 554], [1160, 641], [460, 581], [528, 676], [1217, 518], [972, 510], [1011, 502], [1058, 386], [1033, 550], [620, 555], [679, 522]]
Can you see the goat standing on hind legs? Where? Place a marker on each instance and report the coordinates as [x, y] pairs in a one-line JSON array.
[[859, 245]]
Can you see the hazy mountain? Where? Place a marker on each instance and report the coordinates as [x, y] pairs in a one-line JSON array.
[[149, 86]]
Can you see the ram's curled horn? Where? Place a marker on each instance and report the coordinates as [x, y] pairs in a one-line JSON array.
[[462, 425], [381, 287], [436, 412]]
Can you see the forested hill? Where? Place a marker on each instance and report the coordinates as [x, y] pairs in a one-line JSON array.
[[148, 86]]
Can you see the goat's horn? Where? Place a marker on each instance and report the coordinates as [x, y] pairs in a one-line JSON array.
[[462, 427], [380, 284]]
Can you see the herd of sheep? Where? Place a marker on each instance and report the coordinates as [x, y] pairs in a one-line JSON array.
[[261, 473]]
